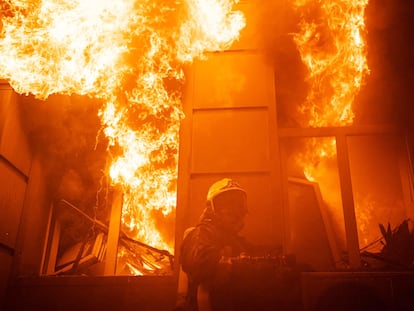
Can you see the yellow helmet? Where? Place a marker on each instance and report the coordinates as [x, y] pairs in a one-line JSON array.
[[223, 185]]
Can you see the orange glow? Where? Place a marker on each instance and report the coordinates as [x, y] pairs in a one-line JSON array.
[[124, 53], [332, 47], [364, 209]]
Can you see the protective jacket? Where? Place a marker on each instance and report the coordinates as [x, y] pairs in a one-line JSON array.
[[201, 252]]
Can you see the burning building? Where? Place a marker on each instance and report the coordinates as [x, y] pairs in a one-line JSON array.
[[117, 116]]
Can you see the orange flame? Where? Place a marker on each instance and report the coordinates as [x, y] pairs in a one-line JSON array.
[[125, 53], [332, 47], [212, 26], [317, 151], [334, 52]]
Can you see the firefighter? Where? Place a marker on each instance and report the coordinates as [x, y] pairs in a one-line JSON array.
[[207, 249]]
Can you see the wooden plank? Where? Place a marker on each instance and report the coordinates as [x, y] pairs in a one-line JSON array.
[[51, 245], [351, 229], [113, 234]]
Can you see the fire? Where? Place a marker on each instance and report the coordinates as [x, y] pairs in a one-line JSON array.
[[212, 26], [317, 151], [124, 53], [332, 47], [50, 47]]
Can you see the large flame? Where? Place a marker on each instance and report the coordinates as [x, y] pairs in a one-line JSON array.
[[331, 42], [128, 54], [332, 46]]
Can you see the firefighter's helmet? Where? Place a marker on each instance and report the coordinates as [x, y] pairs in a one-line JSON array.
[[221, 186]]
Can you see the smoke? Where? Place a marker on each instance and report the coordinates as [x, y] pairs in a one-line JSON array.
[[275, 23], [63, 134], [387, 97]]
